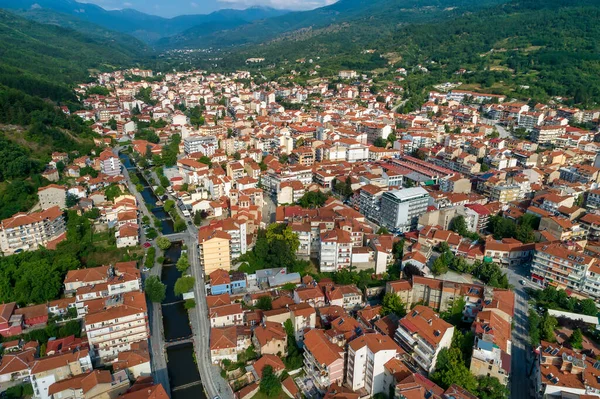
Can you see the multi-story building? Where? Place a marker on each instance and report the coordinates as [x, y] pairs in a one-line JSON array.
[[118, 322], [559, 265], [46, 371], [370, 200], [206, 145], [504, 193], [422, 334], [52, 195], [109, 163], [226, 315], [323, 360], [335, 250], [546, 134], [367, 356], [25, 232], [401, 209], [304, 318], [214, 252]]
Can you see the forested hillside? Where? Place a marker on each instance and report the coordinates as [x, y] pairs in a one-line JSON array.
[[528, 48], [365, 20]]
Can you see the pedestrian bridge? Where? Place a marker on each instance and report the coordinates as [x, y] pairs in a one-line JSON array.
[[186, 386]]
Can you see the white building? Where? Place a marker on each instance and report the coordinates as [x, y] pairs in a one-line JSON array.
[[401, 209], [367, 356], [25, 232]]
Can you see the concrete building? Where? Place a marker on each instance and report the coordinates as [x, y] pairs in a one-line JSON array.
[[422, 334], [214, 250], [109, 163], [25, 232], [46, 371], [51, 196], [335, 250], [323, 360], [367, 356], [206, 145], [119, 322], [401, 209]]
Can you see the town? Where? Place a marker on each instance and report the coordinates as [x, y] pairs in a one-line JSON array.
[[245, 238]]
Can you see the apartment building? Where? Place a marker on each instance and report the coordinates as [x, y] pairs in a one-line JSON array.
[[335, 250], [46, 371], [504, 193], [401, 209], [207, 145], [270, 339], [323, 360], [370, 201], [304, 318], [367, 356], [214, 251], [25, 232], [51, 196], [95, 384], [116, 323], [109, 163], [545, 135], [422, 334], [560, 265]]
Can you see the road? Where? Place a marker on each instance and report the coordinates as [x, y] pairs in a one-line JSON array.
[[504, 134], [521, 356]]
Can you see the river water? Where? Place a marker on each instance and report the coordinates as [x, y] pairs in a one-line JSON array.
[[181, 364], [148, 195]]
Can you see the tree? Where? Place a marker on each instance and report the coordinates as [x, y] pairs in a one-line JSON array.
[[383, 230], [112, 192], [265, 302], [547, 326], [189, 304], [439, 267], [155, 289], [451, 369], [459, 225], [169, 205], [184, 284], [380, 142], [269, 383], [392, 304], [163, 243], [455, 313], [490, 388], [71, 200], [183, 264], [588, 307], [576, 339], [313, 199]]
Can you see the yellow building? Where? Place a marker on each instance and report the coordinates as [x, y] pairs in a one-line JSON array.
[[213, 246]]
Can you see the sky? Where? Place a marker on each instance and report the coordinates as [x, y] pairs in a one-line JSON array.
[[171, 8]]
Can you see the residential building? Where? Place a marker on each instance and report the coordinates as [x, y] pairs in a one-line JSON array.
[[26, 232], [304, 318], [401, 209], [335, 250], [118, 322], [135, 362], [323, 360], [46, 371], [367, 356], [109, 163], [94, 384], [270, 338], [51, 196], [226, 315], [423, 334], [214, 252]]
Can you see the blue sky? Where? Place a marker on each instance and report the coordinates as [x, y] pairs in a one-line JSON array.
[[170, 8]]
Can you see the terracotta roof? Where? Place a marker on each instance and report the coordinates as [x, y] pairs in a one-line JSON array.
[[223, 338], [425, 322], [321, 348], [22, 219], [269, 331], [268, 360], [15, 362], [53, 362], [153, 392]]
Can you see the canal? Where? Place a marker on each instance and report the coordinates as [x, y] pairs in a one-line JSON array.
[[167, 226], [181, 362]]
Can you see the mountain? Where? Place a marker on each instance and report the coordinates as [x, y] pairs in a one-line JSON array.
[[142, 26], [376, 15], [44, 60]]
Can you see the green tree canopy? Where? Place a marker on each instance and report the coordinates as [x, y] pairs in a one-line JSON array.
[[155, 289], [393, 304], [184, 284]]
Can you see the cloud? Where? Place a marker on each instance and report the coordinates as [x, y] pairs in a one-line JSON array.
[[280, 4], [193, 4]]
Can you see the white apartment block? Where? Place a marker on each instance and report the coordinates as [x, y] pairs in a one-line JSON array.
[[335, 251], [25, 232], [367, 356], [113, 328], [401, 209]]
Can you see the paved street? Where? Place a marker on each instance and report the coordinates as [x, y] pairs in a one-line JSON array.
[[521, 359]]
